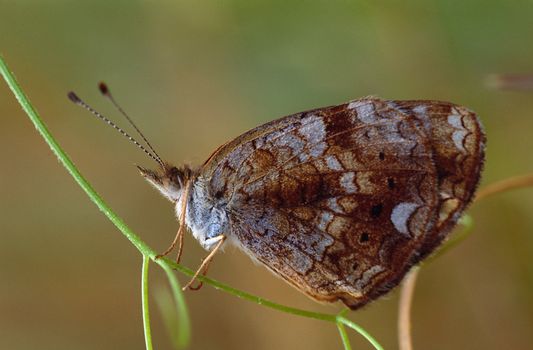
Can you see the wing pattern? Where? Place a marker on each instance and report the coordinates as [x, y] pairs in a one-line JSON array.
[[341, 201]]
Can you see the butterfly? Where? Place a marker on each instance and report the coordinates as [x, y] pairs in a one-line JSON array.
[[339, 201]]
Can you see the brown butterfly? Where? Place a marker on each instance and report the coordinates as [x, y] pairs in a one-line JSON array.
[[339, 201]]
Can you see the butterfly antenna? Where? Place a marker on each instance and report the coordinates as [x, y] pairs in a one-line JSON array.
[[74, 98], [104, 90]]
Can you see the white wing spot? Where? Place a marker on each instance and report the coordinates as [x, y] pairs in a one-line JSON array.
[[347, 182], [321, 246], [315, 152], [420, 109], [295, 143], [334, 205], [400, 216], [303, 157], [333, 163], [455, 121], [460, 133], [318, 149], [365, 110], [314, 130], [325, 219], [392, 132]]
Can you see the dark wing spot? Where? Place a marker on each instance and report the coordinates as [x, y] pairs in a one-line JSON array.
[[381, 156], [376, 210], [390, 183], [364, 237]]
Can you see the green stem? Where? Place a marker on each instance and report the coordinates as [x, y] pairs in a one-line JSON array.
[[145, 303], [360, 330], [184, 326], [342, 330], [344, 336]]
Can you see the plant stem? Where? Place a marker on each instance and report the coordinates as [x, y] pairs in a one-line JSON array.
[[505, 185], [405, 341], [145, 303], [360, 330], [344, 336], [184, 326]]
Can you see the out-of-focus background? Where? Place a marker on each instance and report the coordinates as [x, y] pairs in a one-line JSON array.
[[196, 74]]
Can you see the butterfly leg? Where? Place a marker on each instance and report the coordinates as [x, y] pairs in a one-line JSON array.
[[200, 284], [181, 229], [206, 261]]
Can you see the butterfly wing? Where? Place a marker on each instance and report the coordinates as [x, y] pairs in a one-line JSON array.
[[337, 201]]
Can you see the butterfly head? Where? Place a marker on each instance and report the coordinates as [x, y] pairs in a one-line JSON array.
[[169, 180]]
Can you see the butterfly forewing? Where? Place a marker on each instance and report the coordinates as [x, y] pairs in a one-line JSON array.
[[338, 201]]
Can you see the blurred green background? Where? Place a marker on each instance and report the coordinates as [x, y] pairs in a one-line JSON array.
[[196, 74]]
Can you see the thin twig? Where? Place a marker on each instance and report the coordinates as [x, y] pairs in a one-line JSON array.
[[145, 303], [344, 336], [184, 325], [519, 82], [405, 341], [505, 185], [408, 286], [359, 329]]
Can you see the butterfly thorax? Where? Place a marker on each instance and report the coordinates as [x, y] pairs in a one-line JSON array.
[[205, 217]]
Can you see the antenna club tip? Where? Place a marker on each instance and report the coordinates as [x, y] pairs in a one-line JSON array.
[[73, 97], [103, 88]]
